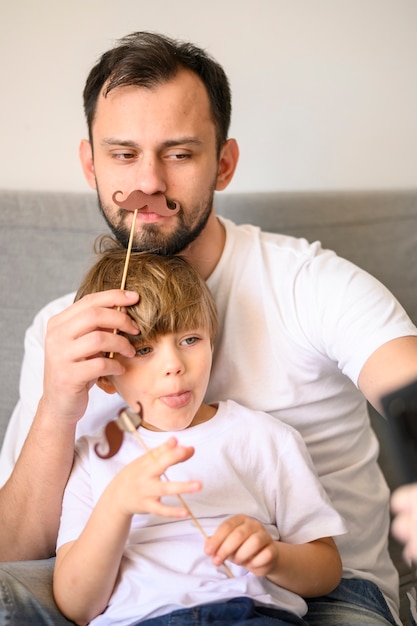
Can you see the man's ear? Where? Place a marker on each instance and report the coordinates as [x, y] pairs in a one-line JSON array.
[[87, 162], [229, 156], [106, 385]]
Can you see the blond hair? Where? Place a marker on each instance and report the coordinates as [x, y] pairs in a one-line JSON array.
[[172, 295]]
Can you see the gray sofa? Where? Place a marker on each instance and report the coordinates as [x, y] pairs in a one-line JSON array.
[[46, 244]]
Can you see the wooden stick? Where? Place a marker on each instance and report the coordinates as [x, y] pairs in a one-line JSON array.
[[125, 418], [126, 266]]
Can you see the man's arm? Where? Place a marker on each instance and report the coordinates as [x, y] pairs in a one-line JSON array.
[[30, 501], [390, 367], [75, 346]]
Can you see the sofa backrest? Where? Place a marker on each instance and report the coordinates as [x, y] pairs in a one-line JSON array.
[[46, 245]]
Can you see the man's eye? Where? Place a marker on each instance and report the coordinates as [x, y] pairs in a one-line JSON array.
[[123, 156], [143, 350], [179, 156]]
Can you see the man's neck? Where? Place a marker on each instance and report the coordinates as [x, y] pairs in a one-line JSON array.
[[205, 252]]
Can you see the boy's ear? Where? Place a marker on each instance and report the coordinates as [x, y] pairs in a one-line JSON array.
[[106, 385]]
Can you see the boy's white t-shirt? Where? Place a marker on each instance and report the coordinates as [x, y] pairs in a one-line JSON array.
[[264, 472], [293, 319]]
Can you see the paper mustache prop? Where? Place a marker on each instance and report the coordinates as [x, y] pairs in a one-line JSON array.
[[155, 203]]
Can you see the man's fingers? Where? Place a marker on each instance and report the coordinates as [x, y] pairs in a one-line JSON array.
[[97, 310], [98, 344]]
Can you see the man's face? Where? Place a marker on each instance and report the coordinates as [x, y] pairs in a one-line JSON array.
[[156, 140]]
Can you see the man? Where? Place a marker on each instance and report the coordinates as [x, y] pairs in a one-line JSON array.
[[301, 329]]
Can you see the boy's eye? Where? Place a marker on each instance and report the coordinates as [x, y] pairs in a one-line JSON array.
[[189, 341], [143, 350]]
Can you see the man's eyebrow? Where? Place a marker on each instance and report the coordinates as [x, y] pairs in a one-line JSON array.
[[113, 141], [169, 143], [181, 141]]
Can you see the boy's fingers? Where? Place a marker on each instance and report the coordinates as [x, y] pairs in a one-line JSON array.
[[169, 453], [214, 542]]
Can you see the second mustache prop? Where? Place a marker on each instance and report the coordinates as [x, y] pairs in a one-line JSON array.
[[128, 422]]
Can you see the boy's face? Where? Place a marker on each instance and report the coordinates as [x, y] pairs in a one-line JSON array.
[[169, 377]]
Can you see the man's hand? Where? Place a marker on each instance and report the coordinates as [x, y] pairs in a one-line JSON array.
[[76, 344], [404, 525]]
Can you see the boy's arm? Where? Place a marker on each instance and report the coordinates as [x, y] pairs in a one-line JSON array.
[[308, 569], [86, 569]]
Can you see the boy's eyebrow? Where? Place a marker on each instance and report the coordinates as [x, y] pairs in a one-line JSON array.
[[169, 143]]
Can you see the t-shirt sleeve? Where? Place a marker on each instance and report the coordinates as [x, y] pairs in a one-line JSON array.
[[304, 511], [346, 312], [78, 498]]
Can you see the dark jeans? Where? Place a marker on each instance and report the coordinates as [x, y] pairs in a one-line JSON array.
[[239, 611], [26, 600], [355, 602]]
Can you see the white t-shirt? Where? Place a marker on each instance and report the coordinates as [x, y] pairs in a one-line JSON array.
[[294, 318], [264, 472]]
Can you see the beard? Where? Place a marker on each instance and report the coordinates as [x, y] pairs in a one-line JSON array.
[[151, 238]]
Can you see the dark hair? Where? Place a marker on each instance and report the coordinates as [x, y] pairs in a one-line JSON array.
[[146, 59]]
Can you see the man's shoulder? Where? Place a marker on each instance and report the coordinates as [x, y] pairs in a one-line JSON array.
[[46, 312], [56, 306], [243, 234]]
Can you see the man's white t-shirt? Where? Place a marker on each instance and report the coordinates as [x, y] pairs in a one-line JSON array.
[[297, 324], [264, 472]]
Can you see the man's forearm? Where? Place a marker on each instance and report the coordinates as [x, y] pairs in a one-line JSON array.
[[30, 501]]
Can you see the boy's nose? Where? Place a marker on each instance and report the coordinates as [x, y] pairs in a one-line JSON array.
[[173, 364]]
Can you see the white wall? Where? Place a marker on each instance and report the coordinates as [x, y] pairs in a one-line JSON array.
[[325, 91]]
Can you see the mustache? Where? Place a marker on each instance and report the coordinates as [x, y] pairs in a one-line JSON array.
[[155, 203]]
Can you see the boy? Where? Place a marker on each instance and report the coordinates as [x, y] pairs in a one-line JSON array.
[[128, 552]]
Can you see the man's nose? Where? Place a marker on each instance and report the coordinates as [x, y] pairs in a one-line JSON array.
[[149, 175]]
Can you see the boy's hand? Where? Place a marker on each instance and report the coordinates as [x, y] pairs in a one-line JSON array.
[[76, 344], [243, 541], [138, 487]]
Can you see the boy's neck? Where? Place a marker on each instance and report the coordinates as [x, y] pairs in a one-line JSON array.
[[204, 414]]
